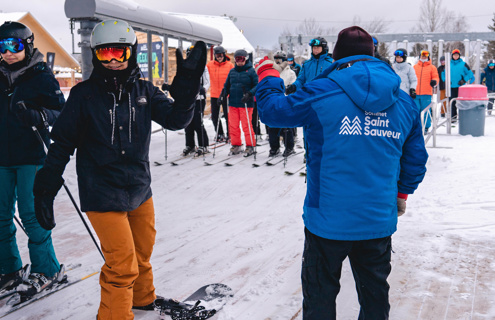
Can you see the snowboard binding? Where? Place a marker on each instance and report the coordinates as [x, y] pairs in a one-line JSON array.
[[181, 311]]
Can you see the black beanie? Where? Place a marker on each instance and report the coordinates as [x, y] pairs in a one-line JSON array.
[[353, 41]]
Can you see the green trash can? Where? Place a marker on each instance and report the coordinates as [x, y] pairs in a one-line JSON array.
[[471, 105]]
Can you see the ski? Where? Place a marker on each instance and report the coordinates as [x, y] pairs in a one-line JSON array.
[[157, 163], [16, 301], [213, 146], [269, 163], [230, 164], [290, 173], [203, 304], [207, 163]]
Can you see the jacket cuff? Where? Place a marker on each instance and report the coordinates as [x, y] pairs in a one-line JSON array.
[[402, 195]]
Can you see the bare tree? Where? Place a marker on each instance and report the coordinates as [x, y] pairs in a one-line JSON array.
[[377, 25], [430, 16], [454, 23], [490, 48], [308, 27]]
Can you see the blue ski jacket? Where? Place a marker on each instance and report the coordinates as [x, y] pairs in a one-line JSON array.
[[459, 70], [364, 144], [312, 68], [489, 76]]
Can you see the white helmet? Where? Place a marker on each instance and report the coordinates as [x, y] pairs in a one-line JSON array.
[[111, 32]]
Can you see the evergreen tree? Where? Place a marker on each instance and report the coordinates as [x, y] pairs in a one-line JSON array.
[[490, 48]]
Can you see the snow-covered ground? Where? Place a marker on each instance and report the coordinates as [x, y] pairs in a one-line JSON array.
[[242, 226]]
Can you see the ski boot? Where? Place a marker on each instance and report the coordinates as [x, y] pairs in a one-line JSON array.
[[235, 150], [274, 153], [249, 151], [288, 152], [201, 151], [37, 282], [11, 280], [188, 150], [153, 306], [221, 138]]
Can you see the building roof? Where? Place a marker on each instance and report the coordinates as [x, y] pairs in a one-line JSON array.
[[233, 38], [49, 44]]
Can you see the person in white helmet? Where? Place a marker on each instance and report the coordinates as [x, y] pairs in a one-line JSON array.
[[107, 118]]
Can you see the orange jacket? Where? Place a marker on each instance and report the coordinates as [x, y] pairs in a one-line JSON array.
[[218, 75], [425, 72]]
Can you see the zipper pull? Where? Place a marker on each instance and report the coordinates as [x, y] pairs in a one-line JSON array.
[[133, 114], [111, 116]]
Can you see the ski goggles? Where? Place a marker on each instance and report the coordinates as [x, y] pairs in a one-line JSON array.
[[118, 53], [456, 51], [240, 59], [399, 53], [491, 64], [315, 42], [375, 42], [14, 45], [290, 59], [425, 53], [218, 55]]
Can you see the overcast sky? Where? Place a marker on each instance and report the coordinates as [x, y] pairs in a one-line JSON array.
[[263, 21]]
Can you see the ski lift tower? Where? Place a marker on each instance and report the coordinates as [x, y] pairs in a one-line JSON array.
[[150, 21]]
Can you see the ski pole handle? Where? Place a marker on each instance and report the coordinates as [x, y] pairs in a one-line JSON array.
[[22, 106]]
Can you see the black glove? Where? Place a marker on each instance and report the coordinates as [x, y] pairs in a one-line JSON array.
[[248, 96], [46, 186], [412, 93], [185, 86], [202, 91], [433, 83], [221, 98], [165, 87], [30, 117], [291, 88], [462, 82]]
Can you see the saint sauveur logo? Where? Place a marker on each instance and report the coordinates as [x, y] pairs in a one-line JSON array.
[[375, 125], [351, 129]]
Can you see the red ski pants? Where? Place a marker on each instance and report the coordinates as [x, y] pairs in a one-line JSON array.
[[126, 278], [237, 115]]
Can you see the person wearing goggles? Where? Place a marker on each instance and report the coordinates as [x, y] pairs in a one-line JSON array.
[[406, 72], [240, 87], [488, 79], [219, 69], [30, 97], [427, 76], [107, 118], [319, 61], [377, 53], [460, 74], [296, 67]]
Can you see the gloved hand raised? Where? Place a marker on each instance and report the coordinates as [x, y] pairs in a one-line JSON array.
[[185, 86], [267, 68], [401, 204], [248, 96], [433, 83], [46, 186], [412, 93]]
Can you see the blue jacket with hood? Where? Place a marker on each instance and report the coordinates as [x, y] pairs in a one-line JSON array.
[[459, 70], [364, 144], [312, 68]]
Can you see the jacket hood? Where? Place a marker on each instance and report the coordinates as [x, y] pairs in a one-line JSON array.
[[12, 75], [371, 84]]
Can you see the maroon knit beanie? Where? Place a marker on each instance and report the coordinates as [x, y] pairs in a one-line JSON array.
[[353, 41]]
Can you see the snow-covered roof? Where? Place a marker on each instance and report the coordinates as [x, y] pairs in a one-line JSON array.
[[77, 75], [233, 39], [11, 16]]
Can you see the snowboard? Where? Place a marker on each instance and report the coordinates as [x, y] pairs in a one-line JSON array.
[[203, 304]]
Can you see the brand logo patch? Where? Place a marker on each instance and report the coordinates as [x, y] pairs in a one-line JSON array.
[[349, 128], [375, 125]]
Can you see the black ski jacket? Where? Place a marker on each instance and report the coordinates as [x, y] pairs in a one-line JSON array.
[[36, 85], [112, 132]]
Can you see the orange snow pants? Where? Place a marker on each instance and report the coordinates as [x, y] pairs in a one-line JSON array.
[[126, 278], [237, 115]]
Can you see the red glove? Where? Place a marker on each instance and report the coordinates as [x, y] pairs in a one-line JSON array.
[[267, 68]]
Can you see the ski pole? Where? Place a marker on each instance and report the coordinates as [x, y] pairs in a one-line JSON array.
[[217, 129], [38, 135], [20, 225], [285, 144]]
